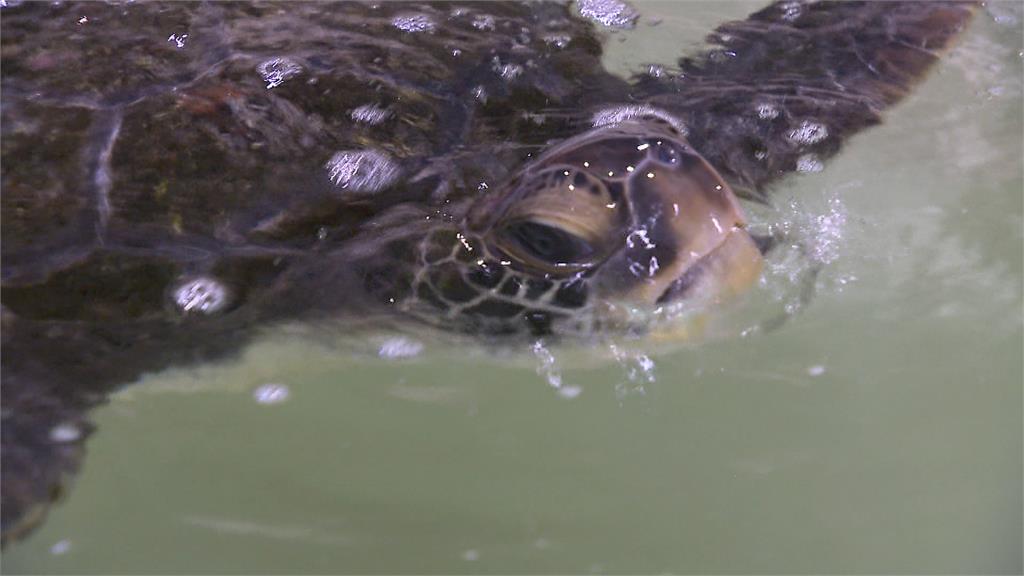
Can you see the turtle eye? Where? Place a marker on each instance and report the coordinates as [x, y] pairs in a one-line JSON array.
[[549, 244]]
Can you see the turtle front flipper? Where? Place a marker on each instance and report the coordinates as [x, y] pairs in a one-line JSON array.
[[43, 439], [782, 89]]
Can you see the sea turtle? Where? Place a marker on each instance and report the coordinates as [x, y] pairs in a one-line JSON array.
[[466, 166]]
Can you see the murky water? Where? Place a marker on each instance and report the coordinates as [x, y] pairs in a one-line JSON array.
[[878, 429]]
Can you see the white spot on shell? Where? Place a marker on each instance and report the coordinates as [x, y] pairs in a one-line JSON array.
[[484, 22], [201, 295], [808, 133], [395, 348], [557, 40], [508, 71], [611, 13], [271, 393], [809, 163], [618, 114], [276, 70], [362, 170], [791, 10], [64, 433], [178, 39], [767, 111], [371, 114], [414, 23]]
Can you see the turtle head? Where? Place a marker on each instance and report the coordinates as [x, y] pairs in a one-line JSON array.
[[622, 217]]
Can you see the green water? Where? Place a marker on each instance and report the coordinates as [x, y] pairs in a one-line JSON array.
[[877, 430]]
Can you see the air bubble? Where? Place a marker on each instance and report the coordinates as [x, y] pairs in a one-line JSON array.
[[65, 433], [60, 548], [271, 394], [471, 555], [817, 370], [546, 366], [570, 392], [396, 348]]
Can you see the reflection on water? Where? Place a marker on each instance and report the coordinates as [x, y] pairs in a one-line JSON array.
[[876, 429]]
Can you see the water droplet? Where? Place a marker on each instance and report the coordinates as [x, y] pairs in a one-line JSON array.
[[276, 70], [64, 433], [808, 133], [271, 393], [414, 23], [202, 295], [655, 70], [817, 370], [480, 94], [400, 347], [362, 170], [371, 114], [610, 13]]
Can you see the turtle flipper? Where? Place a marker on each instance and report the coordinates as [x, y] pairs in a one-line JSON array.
[[42, 448], [782, 89]]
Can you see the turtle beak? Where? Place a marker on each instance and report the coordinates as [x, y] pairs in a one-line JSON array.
[[689, 238]]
